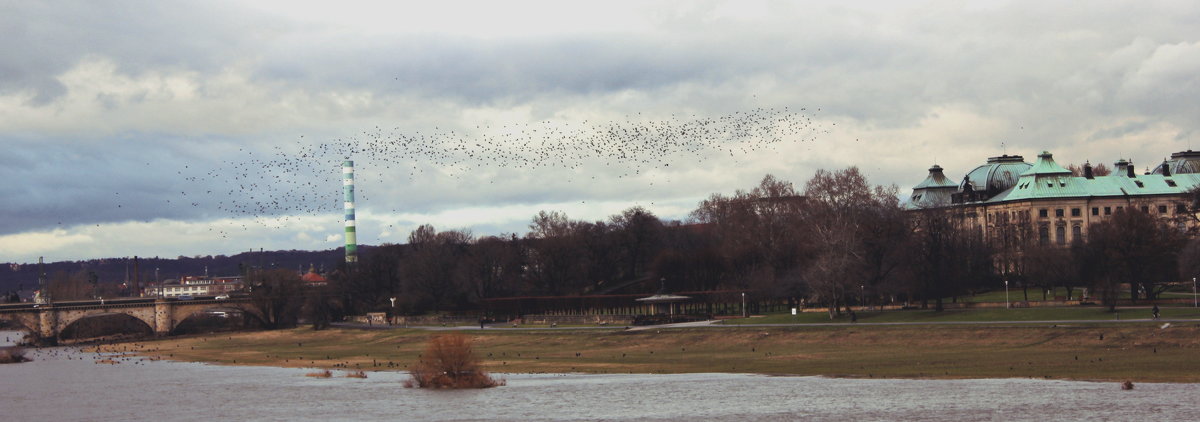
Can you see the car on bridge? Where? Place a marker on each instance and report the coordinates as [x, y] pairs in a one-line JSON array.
[[222, 297], [184, 297]]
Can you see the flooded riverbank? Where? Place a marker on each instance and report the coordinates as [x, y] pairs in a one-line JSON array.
[[67, 383]]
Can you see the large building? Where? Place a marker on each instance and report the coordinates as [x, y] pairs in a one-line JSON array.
[[196, 286], [1010, 201]]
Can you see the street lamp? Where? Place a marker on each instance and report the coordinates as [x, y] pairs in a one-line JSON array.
[[393, 310], [1195, 303], [743, 304], [863, 289], [1007, 304]]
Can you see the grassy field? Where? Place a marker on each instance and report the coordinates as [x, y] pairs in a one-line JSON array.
[[1133, 351], [982, 315]]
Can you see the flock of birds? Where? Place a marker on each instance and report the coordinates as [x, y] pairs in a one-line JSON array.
[[288, 182]]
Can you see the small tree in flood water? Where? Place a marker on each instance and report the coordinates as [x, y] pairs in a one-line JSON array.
[[12, 354], [448, 362]]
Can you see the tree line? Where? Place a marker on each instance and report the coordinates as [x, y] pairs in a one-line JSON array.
[[835, 242]]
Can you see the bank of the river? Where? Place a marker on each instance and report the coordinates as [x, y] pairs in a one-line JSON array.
[[1139, 352]]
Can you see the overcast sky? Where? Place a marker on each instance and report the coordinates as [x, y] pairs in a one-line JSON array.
[[154, 128]]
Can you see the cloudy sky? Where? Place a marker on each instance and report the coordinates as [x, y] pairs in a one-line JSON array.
[[193, 128]]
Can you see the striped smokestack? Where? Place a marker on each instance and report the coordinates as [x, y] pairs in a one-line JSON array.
[[348, 188]]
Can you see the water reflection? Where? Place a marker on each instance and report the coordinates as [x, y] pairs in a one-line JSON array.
[[65, 383]]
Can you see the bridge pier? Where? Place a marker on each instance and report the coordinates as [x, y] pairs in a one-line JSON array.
[[48, 325], [162, 317]]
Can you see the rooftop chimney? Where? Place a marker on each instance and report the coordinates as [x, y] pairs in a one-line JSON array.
[[1130, 171], [1087, 169], [1166, 169]]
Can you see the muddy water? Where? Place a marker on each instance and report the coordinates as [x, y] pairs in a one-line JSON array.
[[67, 384]]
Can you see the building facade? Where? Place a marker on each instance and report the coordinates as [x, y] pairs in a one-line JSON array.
[[1012, 203], [196, 286]]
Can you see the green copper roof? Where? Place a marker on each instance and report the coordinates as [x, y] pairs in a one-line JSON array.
[[998, 174], [934, 191], [936, 179], [1045, 165], [1032, 186]]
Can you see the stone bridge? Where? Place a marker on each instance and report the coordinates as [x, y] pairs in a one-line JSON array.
[[47, 321]]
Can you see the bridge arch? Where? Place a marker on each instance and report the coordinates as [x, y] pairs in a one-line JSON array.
[[67, 317], [183, 311], [93, 325], [26, 322]]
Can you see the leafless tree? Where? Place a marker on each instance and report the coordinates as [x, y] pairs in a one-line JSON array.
[[838, 208], [1097, 170], [1136, 248], [278, 294]]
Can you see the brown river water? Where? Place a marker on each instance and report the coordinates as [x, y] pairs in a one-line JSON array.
[[64, 383]]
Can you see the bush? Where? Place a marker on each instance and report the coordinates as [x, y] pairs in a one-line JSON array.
[[320, 374], [12, 354], [448, 362]]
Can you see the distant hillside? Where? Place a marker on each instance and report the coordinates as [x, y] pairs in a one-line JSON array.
[[113, 270]]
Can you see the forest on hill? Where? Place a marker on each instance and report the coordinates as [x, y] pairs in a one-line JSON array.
[[110, 272]]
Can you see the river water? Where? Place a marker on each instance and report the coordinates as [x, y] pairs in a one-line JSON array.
[[64, 383]]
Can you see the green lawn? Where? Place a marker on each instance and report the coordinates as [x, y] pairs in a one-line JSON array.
[[955, 315], [1016, 294]]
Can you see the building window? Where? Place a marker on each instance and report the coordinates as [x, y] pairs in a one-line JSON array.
[[1107, 210], [1042, 213], [1076, 233], [1044, 235], [1162, 209], [1180, 209], [1060, 235], [1146, 209], [1095, 210], [1058, 212]]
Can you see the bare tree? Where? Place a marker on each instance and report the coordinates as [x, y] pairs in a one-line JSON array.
[[758, 235], [1097, 170], [638, 233], [69, 286], [1136, 248], [278, 294], [431, 269], [493, 267], [837, 206]]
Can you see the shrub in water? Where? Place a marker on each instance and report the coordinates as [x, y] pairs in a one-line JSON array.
[[448, 362], [320, 374], [12, 354]]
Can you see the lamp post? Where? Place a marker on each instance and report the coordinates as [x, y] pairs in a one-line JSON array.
[[743, 304], [393, 310], [1195, 302], [863, 289], [1007, 304]]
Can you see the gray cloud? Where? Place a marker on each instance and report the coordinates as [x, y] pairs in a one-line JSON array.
[[189, 84]]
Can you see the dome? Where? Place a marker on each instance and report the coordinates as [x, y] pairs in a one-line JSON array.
[[934, 191], [311, 277], [997, 175], [1181, 162], [1046, 166]]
